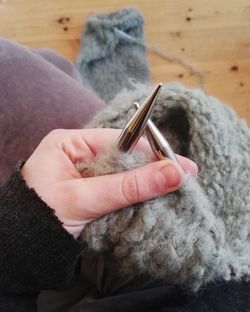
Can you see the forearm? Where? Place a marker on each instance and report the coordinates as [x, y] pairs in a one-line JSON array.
[[36, 252]]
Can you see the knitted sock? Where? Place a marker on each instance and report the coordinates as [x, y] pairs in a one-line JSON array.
[[112, 53]]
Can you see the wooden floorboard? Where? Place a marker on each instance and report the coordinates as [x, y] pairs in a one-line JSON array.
[[213, 36]]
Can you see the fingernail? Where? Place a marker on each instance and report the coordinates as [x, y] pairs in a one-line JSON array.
[[192, 168], [171, 175]]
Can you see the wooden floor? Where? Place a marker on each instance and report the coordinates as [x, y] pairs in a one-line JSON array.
[[211, 35]]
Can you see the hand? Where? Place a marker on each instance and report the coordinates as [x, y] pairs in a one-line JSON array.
[[51, 172]]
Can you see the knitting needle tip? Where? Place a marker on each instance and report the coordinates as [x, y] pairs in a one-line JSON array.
[[136, 125], [158, 143]]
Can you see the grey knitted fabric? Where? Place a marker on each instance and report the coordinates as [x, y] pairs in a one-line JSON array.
[[199, 233], [113, 52]]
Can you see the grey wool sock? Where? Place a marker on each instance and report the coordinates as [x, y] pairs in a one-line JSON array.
[[197, 234], [112, 53]]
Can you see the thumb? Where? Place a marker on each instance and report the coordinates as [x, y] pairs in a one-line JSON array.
[[100, 195]]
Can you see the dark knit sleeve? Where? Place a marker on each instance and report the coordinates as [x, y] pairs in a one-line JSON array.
[[10, 302], [36, 252]]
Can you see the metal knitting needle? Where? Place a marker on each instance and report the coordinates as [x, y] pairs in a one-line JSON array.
[[158, 143], [136, 125]]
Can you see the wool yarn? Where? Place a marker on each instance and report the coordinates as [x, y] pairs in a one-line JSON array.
[[200, 232]]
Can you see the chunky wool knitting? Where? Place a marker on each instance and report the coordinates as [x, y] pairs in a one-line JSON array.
[[199, 233]]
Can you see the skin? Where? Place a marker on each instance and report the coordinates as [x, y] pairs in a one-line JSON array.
[[51, 171]]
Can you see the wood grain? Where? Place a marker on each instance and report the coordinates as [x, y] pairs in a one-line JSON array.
[[213, 36]]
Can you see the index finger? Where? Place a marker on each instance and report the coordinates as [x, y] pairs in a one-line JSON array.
[[85, 144]]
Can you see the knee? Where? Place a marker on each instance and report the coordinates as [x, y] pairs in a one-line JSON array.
[[60, 62], [9, 51]]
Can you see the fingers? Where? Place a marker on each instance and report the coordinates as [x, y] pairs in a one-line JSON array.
[[101, 195], [188, 165], [84, 144]]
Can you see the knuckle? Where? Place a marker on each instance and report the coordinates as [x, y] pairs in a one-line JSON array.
[[54, 136], [56, 133], [131, 188]]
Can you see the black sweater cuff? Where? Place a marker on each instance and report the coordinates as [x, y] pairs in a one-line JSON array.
[[36, 252]]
